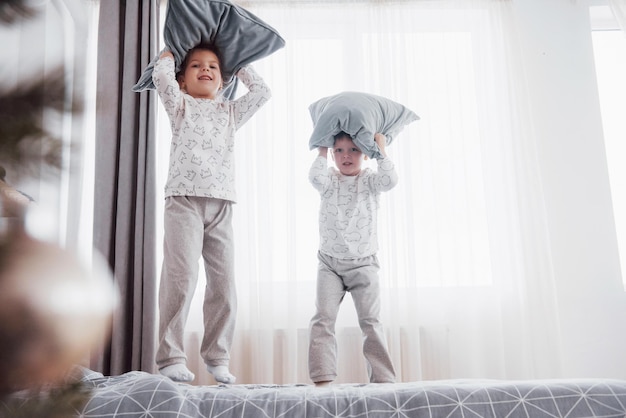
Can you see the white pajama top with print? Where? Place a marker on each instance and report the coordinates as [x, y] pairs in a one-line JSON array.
[[349, 207], [202, 160]]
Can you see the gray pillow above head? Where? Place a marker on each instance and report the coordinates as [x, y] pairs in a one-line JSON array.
[[360, 115], [240, 37]]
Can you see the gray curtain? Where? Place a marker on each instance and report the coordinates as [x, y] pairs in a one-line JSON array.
[[124, 221]]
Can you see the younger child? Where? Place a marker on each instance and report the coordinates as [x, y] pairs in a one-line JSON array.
[[199, 195], [347, 256]]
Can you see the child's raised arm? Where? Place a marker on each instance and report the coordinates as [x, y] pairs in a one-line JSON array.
[[322, 152], [258, 94]]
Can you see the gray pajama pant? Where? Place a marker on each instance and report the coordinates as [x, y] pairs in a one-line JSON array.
[[194, 227], [335, 277]]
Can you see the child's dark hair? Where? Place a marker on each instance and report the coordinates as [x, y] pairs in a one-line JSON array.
[[199, 47], [340, 135]]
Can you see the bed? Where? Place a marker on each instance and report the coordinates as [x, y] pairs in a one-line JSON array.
[[139, 394]]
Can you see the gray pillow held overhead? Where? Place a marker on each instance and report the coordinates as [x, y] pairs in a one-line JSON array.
[[240, 36], [360, 115]]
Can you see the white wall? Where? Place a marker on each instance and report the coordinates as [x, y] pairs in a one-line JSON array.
[[558, 59]]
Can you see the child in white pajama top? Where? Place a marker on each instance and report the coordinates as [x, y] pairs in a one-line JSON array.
[[347, 256], [199, 195]]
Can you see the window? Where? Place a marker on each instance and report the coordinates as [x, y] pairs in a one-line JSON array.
[[609, 45], [433, 63], [434, 69]]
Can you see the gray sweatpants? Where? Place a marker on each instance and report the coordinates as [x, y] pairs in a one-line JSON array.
[[335, 277], [194, 227]]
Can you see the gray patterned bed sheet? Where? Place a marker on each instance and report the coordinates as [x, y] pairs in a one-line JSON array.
[[138, 394]]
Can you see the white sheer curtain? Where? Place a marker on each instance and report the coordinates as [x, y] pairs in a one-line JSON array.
[[467, 269]]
